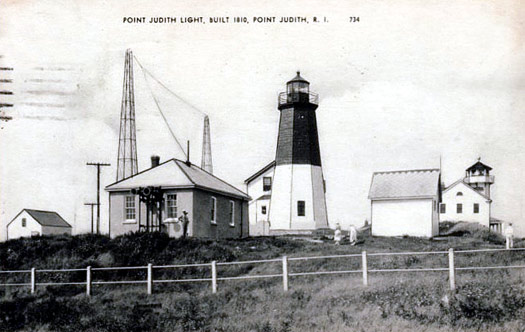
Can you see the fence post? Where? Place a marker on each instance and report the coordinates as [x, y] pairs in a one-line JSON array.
[[88, 281], [285, 273], [214, 277], [33, 280], [451, 270], [150, 278], [365, 268]]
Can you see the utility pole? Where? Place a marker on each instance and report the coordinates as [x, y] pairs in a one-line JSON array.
[[98, 190], [92, 205]]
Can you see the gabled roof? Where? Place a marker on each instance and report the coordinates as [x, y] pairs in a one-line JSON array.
[[260, 172], [462, 180], [175, 173], [45, 218], [479, 165], [419, 183]]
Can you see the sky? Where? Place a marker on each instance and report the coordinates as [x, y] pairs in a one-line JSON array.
[[409, 83]]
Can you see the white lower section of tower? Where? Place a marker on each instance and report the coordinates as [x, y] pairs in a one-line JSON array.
[[292, 185]]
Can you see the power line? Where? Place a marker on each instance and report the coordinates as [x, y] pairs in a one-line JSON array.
[[160, 110], [168, 89]]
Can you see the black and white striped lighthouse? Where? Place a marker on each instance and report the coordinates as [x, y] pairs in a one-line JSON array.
[[298, 194]]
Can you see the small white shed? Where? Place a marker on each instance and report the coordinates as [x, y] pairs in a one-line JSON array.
[[405, 203], [29, 223]]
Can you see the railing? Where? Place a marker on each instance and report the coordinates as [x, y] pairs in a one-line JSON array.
[[480, 179], [296, 97], [285, 271]]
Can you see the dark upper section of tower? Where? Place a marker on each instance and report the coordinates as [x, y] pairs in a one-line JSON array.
[[297, 91], [298, 141]]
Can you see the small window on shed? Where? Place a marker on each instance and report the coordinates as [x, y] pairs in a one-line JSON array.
[[171, 205], [129, 208], [459, 208], [443, 208], [232, 213], [263, 209], [213, 211], [24, 222], [476, 207], [459, 193]]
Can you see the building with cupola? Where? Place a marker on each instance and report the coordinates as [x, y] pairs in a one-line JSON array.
[[469, 198]]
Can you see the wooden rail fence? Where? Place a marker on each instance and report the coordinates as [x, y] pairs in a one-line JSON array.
[[285, 272]]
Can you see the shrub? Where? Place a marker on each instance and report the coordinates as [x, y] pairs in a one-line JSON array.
[[488, 302]]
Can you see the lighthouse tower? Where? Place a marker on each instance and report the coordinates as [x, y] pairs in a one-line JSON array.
[[297, 200]]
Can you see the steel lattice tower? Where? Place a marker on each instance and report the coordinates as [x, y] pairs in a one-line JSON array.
[[127, 144], [206, 162]]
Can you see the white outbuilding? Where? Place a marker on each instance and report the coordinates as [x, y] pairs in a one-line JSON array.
[[29, 223], [405, 203]]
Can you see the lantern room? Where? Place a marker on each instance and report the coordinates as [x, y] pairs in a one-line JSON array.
[[298, 85], [298, 91]]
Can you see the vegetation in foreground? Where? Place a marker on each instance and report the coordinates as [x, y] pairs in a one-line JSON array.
[[484, 301]]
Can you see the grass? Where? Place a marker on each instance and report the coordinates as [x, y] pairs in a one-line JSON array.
[[483, 301]]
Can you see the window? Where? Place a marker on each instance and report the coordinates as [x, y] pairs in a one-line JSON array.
[[443, 208], [300, 208], [267, 183], [263, 209], [459, 208], [232, 213], [213, 211], [171, 206], [24, 222], [459, 193], [130, 208], [476, 208]]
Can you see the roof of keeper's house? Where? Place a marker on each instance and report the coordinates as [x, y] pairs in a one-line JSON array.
[[420, 183], [45, 218], [173, 174]]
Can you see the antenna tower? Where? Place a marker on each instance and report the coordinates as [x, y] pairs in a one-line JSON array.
[[206, 163], [127, 144]]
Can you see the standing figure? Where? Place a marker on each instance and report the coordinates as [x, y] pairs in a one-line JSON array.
[[353, 235], [337, 234], [184, 221], [509, 236]]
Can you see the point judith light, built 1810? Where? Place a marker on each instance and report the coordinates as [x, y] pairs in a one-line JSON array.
[[289, 194]]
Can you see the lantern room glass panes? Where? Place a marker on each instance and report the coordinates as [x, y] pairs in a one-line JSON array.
[[298, 87]]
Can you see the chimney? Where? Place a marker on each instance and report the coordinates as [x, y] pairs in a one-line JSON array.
[[155, 161], [188, 162]]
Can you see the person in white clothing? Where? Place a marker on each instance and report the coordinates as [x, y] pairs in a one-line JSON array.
[[353, 235], [509, 236], [337, 234]]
